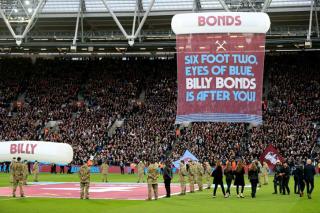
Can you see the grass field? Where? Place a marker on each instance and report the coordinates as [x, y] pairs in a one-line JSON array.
[[197, 202]]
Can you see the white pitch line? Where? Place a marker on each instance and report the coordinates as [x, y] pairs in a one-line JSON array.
[[10, 199]]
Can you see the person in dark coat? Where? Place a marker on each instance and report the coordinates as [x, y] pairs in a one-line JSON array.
[[295, 178], [309, 173], [217, 175], [167, 177], [122, 167], [253, 176], [69, 169], [62, 169], [300, 178], [239, 179], [53, 169], [229, 177], [285, 179], [277, 180]]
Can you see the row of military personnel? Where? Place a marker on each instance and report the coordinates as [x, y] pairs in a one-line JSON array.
[[194, 170]]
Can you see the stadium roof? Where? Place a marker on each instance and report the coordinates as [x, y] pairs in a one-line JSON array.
[[92, 6], [91, 25]]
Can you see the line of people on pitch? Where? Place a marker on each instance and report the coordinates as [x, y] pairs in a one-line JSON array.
[[19, 174], [34, 170], [195, 172], [303, 177], [236, 175], [153, 170], [152, 178]]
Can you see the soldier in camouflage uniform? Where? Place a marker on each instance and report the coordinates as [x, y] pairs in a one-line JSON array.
[[35, 171], [140, 171], [18, 177], [192, 175], [182, 174], [207, 174], [11, 171], [104, 171], [25, 172], [152, 179], [84, 175], [200, 173]]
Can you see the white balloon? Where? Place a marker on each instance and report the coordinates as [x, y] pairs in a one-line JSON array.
[[42, 151]]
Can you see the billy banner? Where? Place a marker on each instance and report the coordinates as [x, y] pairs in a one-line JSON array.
[[220, 60], [42, 151]]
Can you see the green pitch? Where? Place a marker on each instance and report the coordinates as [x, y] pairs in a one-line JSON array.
[[197, 202]]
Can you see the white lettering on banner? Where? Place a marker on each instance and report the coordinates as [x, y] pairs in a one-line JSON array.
[[235, 83], [198, 83]]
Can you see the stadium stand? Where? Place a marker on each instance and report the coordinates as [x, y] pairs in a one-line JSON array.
[[79, 101]]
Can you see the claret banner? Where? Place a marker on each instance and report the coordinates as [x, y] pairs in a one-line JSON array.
[[220, 60]]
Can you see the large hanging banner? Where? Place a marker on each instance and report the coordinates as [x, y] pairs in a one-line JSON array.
[[220, 60]]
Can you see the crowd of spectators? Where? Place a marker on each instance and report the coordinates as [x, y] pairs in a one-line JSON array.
[[149, 131], [77, 102]]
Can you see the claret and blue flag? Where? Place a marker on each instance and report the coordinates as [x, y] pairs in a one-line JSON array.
[[220, 59]]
